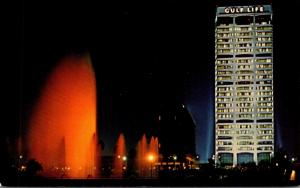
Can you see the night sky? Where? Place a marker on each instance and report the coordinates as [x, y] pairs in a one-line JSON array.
[[148, 55]]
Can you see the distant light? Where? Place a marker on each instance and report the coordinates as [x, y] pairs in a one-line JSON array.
[[150, 158], [183, 106], [175, 157], [159, 117], [21, 156], [124, 158], [119, 156], [285, 156], [277, 164], [293, 175]]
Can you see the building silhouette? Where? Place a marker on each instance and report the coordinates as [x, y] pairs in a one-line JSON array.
[[176, 132]]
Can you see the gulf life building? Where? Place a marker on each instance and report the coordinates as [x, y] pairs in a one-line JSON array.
[[244, 111]]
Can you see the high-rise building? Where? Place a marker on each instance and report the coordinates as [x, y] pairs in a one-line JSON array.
[[244, 110]]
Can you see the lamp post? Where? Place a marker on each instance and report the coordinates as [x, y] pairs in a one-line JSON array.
[[150, 159], [124, 158], [174, 158]]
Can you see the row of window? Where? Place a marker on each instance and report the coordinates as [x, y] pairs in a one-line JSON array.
[[245, 110], [245, 116], [242, 110], [266, 148], [244, 104], [243, 72], [244, 45], [243, 28], [246, 50], [243, 93], [245, 126], [245, 77], [260, 39], [259, 60], [247, 137], [246, 148], [224, 99], [269, 104], [240, 99], [247, 88], [265, 93], [259, 66], [224, 105], [219, 116], [264, 109], [244, 99], [265, 115], [225, 110], [250, 132], [242, 34], [264, 72], [264, 99]]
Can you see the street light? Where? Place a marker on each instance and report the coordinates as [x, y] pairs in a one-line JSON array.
[[124, 158], [174, 158], [150, 159]]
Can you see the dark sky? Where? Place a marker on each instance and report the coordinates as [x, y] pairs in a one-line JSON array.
[[146, 55]]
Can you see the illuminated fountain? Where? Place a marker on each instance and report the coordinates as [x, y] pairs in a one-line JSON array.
[[147, 156], [62, 128], [120, 157]]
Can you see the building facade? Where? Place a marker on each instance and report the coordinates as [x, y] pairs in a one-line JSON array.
[[244, 110]]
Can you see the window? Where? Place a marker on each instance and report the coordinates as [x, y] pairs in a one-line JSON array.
[[265, 137], [264, 126], [244, 20], [245, 143]]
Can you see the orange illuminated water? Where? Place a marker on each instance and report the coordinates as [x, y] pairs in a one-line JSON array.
[[62, 134], [120, 157], [147, 156]]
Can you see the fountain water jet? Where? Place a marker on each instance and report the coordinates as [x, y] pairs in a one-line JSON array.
[[147, 156], [119, 157], [62, 128], [142, 149]]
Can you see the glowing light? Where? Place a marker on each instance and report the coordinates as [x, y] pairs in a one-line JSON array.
[[150, 157], [293, 176], [120, 158], [175, 157], [20, 156], [62, 128]]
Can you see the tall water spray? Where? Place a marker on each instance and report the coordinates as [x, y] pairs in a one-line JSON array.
[[62, 132]]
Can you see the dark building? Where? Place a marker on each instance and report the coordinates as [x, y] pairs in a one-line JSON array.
[[176, 132]]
